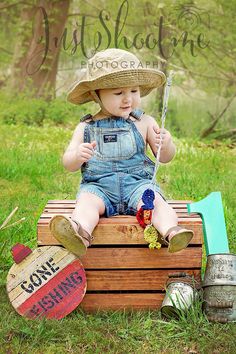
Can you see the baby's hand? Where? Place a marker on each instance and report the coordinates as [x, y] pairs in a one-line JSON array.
[[86, 151], [164, 135]]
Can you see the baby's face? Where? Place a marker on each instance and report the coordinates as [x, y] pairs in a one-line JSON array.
[[120, 101]]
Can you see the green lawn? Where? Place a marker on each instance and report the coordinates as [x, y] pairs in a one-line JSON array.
[[30, 174]]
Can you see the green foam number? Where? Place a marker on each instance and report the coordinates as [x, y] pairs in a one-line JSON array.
[[214, 229]]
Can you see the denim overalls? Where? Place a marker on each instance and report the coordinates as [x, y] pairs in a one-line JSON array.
[[119, 172]]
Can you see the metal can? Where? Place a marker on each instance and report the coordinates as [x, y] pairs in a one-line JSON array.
[[220, 269], [180, 296], [219, 288], [220, 303]]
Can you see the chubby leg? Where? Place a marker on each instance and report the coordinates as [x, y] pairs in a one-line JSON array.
[[89, 207], [165, 220], [75, 233]]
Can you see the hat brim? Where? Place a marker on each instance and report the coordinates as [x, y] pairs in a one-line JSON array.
[[146, 79]]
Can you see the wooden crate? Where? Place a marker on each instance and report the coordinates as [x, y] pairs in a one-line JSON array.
[[122, 272]]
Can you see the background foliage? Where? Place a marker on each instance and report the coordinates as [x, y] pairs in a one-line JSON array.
[[196, 40]]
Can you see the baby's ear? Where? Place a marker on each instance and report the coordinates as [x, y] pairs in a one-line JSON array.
[[95, 95]]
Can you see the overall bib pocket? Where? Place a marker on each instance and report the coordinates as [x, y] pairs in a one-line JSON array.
[[114, 144]]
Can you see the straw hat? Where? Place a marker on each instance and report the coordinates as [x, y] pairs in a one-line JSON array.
[[113, 68]]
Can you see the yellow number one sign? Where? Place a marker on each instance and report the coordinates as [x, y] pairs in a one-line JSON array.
[[214, 229]]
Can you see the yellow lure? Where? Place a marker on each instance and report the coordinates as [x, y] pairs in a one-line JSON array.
[[150, 235]]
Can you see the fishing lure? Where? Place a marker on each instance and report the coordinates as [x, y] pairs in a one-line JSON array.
[[144, 214]]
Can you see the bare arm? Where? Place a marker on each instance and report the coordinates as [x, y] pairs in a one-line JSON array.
[[77, 151], [153, 139]]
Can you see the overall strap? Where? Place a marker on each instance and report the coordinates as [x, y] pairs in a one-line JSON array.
[[87, 138], [137, 113], [88, 117]]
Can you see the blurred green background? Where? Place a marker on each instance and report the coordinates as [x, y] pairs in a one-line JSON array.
[[44, 44]]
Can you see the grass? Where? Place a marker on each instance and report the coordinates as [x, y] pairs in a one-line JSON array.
[[30, 174]]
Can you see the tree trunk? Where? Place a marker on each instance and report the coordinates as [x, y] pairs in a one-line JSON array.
[[36, 55], [216, 118]]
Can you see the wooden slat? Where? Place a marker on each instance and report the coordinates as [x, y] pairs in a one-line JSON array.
[[120, 258], [69, 205], [122, 220], [115, 234], [110, 280], [68, 213], [68, 210], [48, 207], [72, 201], [49, 212], [131, 220], [174, 204], [141, 301]]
